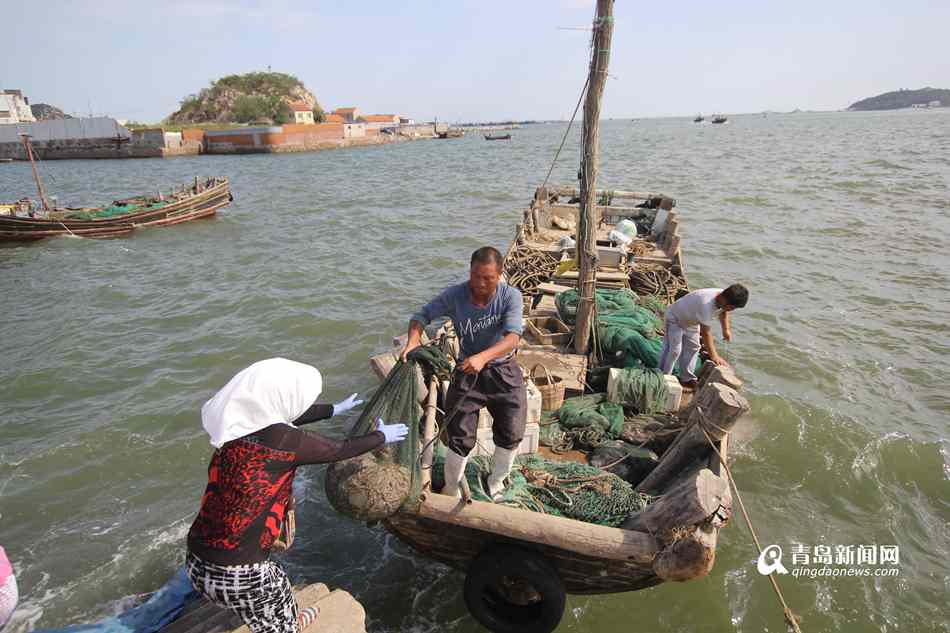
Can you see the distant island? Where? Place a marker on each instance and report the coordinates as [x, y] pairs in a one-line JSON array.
[[256, 97], [922, 98]]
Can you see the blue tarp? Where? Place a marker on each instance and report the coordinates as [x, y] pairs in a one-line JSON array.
[[150, 616]]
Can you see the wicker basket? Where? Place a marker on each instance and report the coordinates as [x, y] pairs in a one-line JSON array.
[[551, 388]]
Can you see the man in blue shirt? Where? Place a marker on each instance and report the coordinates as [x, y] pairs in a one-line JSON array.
[[487, 316]]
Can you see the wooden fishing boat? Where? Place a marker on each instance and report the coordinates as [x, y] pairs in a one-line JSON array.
[[498, 137], [699, 118], [190, 202], [519, 560], [519, 563], [718, 119]]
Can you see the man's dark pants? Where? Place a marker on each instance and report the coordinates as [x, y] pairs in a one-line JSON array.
[[500, 388]]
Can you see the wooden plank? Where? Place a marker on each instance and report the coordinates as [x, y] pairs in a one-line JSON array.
[[658, 258], [428, 433], [618, 194], [674, 245], [588, 539], [552, 289], [602, 275], [571, 368]]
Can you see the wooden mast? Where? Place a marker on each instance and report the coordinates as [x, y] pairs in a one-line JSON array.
[[586, 222], [36, 176]]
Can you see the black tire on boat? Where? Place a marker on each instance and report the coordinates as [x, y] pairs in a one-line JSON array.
[[510, 589]]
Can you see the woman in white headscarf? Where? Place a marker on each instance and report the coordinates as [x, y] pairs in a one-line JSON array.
[[247, 509]]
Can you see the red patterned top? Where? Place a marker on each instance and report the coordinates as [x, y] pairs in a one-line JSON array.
[[250, 480]]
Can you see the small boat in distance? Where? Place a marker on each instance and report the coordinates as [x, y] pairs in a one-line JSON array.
[[718, 118], [499, 137], [699, 118]]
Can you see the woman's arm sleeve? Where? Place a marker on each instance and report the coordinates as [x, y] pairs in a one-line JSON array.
[[316, 449], [315, 412]]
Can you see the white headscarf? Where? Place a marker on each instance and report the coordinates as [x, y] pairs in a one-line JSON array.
[[268, 392]]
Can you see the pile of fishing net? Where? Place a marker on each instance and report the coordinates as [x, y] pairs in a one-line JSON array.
[[643, 389], [375, 485], [584, 422], [568, 489], [626, 445], [628, 326]]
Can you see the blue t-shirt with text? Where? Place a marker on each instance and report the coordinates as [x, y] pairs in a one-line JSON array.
[[477, 328]]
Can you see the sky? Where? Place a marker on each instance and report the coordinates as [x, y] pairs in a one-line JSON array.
[[476, 60]]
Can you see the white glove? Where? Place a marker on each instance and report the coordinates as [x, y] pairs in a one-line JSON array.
[[346, 405], [393, 432]]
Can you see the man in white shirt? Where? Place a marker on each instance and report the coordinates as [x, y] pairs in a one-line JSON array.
[[689, 321]]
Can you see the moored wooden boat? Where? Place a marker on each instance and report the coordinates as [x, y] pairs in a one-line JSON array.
[[190, 202]]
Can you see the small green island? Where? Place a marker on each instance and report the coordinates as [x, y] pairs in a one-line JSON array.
[[252, 97], [898, 99]]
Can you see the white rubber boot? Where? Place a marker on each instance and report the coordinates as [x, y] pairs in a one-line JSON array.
[[501, 466], [454, 471]]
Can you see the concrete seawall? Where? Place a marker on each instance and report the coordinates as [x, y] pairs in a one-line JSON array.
[[156, 143], [95, 148], [315, 145]]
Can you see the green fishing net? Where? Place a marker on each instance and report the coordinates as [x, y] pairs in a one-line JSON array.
[[567, 489], [375, 485], [114, 210], [628, 326], [584, 422], [643, 389]]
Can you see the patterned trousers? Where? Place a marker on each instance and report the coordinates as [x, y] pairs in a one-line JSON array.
[[260, 594]]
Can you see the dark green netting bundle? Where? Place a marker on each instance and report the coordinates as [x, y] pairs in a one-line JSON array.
[[375, 485], [624, 325], [568, 489], [627, 325], [643, 389], [584, 422]]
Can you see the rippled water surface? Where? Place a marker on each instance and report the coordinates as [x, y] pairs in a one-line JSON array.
[[837, 222]]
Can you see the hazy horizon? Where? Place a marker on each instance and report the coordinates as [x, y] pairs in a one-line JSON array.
[[477, 61]]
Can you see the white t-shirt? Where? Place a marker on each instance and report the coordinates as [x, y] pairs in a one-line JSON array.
[[697, 308]]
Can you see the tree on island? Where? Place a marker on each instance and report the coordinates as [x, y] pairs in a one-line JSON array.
[[255, 96], [251, 108]]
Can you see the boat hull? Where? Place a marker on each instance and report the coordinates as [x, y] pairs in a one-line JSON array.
[[201, 204]]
